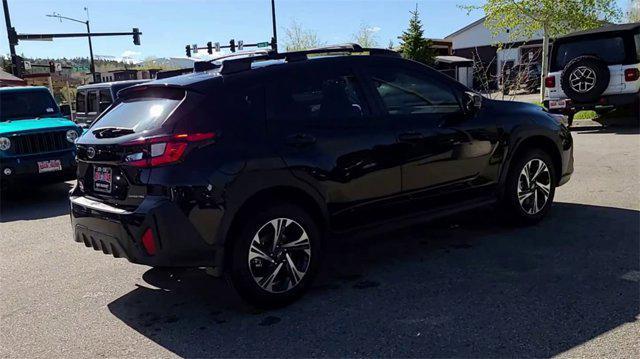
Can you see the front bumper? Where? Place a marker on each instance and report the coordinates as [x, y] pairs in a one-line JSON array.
[[118, 232], [24, 169]]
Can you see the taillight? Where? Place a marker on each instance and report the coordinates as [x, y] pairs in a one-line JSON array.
[[631, 75], [162, 150], [148, 242], [550, 81]]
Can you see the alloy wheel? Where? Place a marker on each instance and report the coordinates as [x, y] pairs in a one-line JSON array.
[[534, 186], [279, 255], [582, 79]]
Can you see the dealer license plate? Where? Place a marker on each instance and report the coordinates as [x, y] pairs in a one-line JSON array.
[[49, 166], [553, 104], [102, 179]]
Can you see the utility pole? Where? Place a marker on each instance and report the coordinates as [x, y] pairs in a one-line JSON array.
[[274, 40], [86, 22], [15, 67]]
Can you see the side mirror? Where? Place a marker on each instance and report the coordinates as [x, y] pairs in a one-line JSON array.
[[472, 101], [65, 109]]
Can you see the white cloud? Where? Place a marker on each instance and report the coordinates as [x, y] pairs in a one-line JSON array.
[[374, 29]]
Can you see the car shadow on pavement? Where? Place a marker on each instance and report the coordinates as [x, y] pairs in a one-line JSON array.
[[29, 203], [463, 287]]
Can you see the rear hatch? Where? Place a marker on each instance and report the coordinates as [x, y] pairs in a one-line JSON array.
[[115, 154]]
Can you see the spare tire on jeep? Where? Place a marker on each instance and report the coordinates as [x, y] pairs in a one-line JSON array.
[[585, 78]]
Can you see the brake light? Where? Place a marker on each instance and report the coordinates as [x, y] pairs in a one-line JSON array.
[[550, 81], [631, 75], [148, 242], [163, 150]]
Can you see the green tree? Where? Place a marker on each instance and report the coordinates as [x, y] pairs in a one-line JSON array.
[[413, 45], [366, 36], [297, 38], [552, 18], [633, 13]]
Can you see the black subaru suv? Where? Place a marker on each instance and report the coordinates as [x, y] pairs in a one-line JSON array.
[[248, 166]]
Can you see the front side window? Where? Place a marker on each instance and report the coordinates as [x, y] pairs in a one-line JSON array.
[[317, 98], [409, 93], [26, 104]]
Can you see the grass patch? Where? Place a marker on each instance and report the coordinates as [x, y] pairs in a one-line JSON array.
[[581, 115]]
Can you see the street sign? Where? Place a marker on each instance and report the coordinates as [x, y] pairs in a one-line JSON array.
[[194, 48], [27, 65], [240, 45], [58, 67], [262, 44], [217, 45]]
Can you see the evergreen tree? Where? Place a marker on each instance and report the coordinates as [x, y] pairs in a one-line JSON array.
[[413, 45]]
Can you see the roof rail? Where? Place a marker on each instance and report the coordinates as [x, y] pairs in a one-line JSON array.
[[233, 64]]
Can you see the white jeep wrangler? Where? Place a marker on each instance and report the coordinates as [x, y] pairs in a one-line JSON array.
[[596, 70]]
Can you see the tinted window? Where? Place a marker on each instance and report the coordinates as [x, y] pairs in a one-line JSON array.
[[105, 99], [81, 102], [138, 114], [611, 50], [26, 104], [317, 97], [407, 93], [637, 41], [91, 101]]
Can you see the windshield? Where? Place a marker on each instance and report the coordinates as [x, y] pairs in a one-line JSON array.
[[26, 104], [611, 50], [137, 114]]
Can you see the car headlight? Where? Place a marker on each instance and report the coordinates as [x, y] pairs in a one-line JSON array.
[[72, 136], [5, 143]]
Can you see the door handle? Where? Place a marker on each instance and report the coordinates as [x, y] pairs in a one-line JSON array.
[[410, 136], [300, 139]]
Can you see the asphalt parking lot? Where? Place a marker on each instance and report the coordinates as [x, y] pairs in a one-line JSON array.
[[468, 286]]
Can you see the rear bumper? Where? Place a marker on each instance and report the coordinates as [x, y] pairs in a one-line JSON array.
[[629, 101], [24, 169], [118, 232]]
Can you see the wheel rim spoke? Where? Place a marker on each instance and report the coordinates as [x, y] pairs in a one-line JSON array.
[[532, 191], [283, 262]]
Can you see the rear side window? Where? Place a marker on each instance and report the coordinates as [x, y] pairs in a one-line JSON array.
[[105, 99], [138, 114], [81, 102], [317, 97], [611, 50], [407, 93]]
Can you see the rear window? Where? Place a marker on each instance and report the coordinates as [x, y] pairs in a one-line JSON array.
[[138, 114], [611, 50], [26, 104]]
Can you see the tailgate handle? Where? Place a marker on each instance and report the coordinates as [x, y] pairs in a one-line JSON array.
[[300, 139]]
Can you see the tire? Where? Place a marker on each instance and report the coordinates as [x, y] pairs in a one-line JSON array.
[[590, 76], [525, 213], [254, 278]]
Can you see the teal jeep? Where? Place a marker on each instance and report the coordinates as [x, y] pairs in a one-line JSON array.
[[37, 141]]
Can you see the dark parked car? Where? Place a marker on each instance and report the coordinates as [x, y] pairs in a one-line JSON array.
[[92, 99], [249, 166], [596, 70], [522, 77]]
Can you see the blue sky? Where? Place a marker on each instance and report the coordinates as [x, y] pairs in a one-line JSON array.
[[168, 25]]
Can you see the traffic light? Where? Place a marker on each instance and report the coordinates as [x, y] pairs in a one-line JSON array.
[[52, 67], [188, 48], [136, 36], [209, 47], [232, 45]]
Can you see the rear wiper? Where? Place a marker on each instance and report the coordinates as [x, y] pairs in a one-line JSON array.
[[111, 132]]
